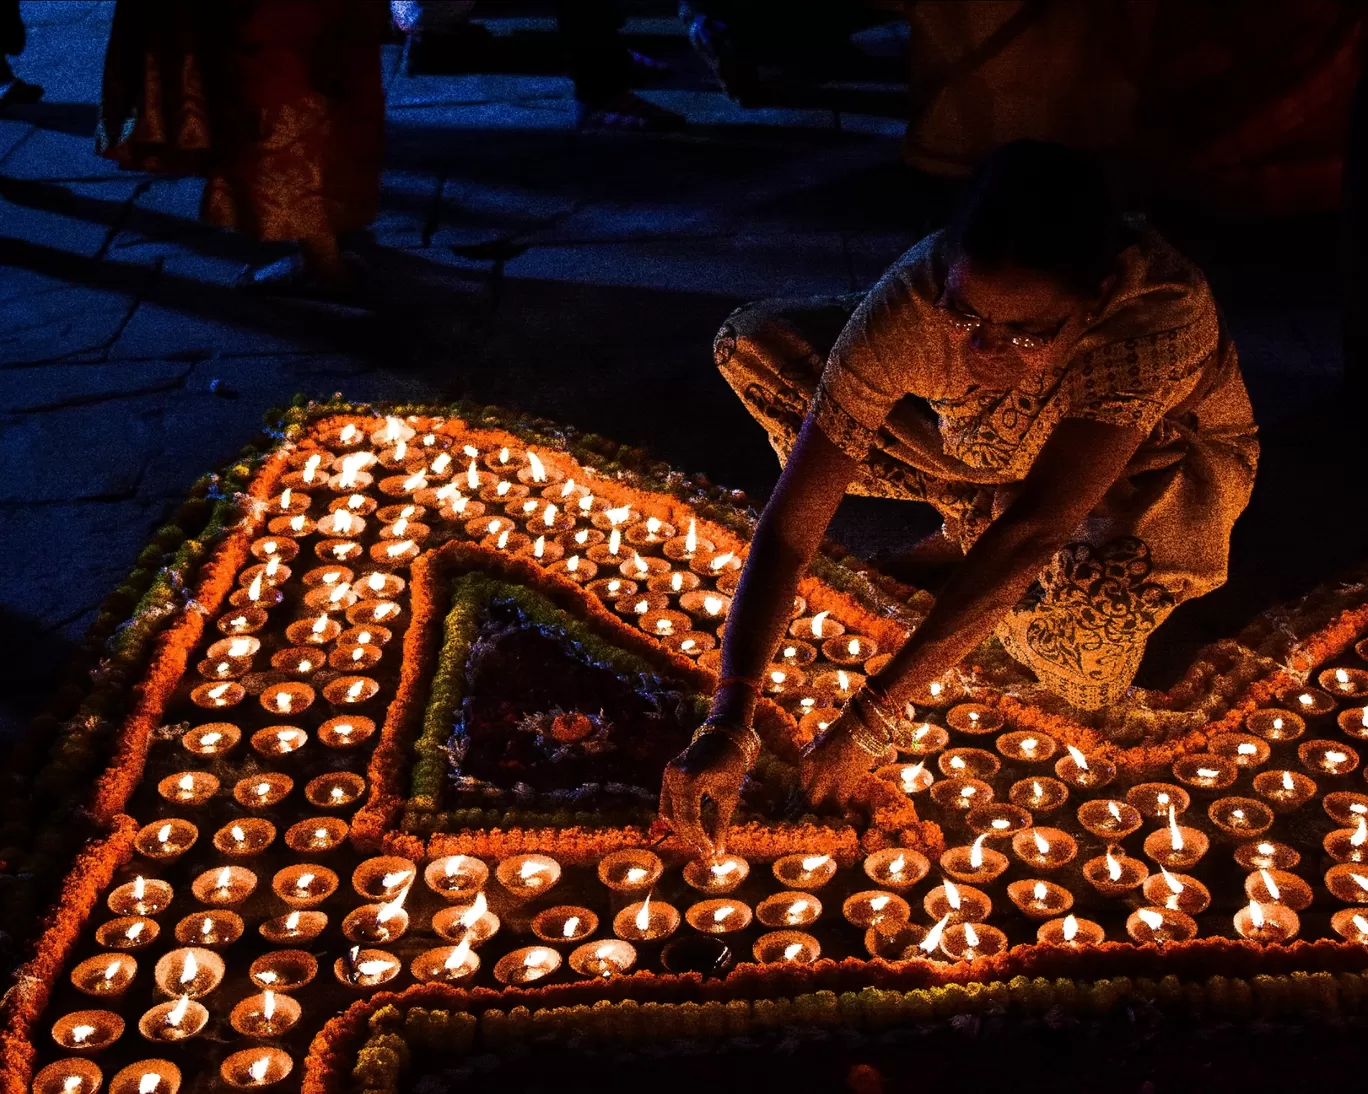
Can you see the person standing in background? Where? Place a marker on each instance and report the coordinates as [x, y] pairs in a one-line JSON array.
[[13, 90], [277, 104]]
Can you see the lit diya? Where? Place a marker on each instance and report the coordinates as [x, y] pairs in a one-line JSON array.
[[1243, 749], [345, 731], [1040, 899], [1345, 806], [968, 941], [1285, 791], [1278, 887], [528, 875], [1038, 795], [564, 923], [1267, 924], [1109, 819], [909, 778], [1070, 931], [263, 790], [1354, 722], [289, 697], [1115, 873], [128, 932], [224, 885], [70, 1076], [789, 910], [1176, 891], [786, 948], [209, 929], [106, 976], [295, 927], [345, 691], [899, 943], [167, 840], [1327, 757], [147, 1077], [256, 1067], [191, 970], [719, 874], [1044, 848], [961, 794], [365, 969], [1027, 746], [1308, 702], [973, 718], [998, 820], [603, 959], [974, 863], [924, 740], [1176, 846], [190, 788], [446, 964], [283, 970], [87, 1030], [1084, 772], [896, 868], [527, 965], [243, 621], [377, 924], [1240, 818], [630, 871], [456, 877], [316, 834], [1160, 926], [804, 871], [1205, 771], [721, 915], [971, 763], [211, 739], [1267, 855], [1156, 800], [304, 885], [1275, 725], [957, 903], [141, 897], [1351, 924], [646, 921], [1348, 844], [245, 837], [267, 1014], [335, 790], [472, 922]]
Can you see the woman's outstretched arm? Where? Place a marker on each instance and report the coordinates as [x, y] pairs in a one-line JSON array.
[[787, 536], [1075, 468]]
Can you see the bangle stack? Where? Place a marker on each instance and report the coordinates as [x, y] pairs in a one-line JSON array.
[[743, 736]]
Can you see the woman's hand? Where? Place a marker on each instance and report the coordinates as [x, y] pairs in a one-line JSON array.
[[713, 765], [833, 763]]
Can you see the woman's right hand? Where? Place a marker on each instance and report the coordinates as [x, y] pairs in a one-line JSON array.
[[715, 766]]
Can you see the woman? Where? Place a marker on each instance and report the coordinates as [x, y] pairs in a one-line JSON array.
[[277, 103], [1051, 377]]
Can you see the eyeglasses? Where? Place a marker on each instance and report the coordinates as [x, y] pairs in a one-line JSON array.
[[967, 322]]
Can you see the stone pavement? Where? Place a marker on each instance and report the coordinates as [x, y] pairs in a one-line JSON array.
[[517, 261]]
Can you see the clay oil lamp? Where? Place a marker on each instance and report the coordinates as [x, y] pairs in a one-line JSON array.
[[365, 969], [710, 608], [909, 778], [1044, 848], [1267, 855], [106, 976], [400, 552], [639, 568], [446, 964], [960, 903], [70, 1076], [968, 763], [973, 718], [646, 921], [716, 875], [1278, 887], [975, 864], [345, 731], [1308, 702], [630, 871], [267, 547], [1351, 924], [960, 795], [816, 628], [839, 686], [379, 585], [189, 788], [272, 573], [167, 840], [191, 970], [849, 651], [614, 588], [968, 941], [1205, 771], [298, 525], [256, 595], [256, 1067], [528, 875], [1038, 795], [1240, 818], [1327, 757], [1083, 772], [127, 932], [294, 928], [804, 871], [212, 930], [328, 576], [377, 924], [900, 943], [641, 603], [300, 662], [456, 878], [287, 698], [1345, 806], [223, 669], [1354, 723], [1109, 819], [87, 1030], [354, 658], [1176, 847], [684, 548], [370, 612], [275, 741], [786, 948], [789, 910], [335, 790], [283, 970], [795, 652], [1160, 925], [897, 868], [1070, 931], [473, 921], [211, 739], [721, 915], [147, 1077], [716, 565], [346, 691], [648, 533], [925, 740], [1027, 746], [1267, 924], [1176, 891], [691, 643], [1243, 749], [304, 885], [313, 631], [244, 621], [564, 923], [1039, 899], [578, 569], [1114, 874], [263, 790], [1285, 791], [267, 1014], [234, 648], [1348, 844], [218, 696], [1275, 725], [663, 624], [781, 681], [537, 472], [1156, 800], [526, 966], [603, 959], [998, 820], [141, 897], [316, 834], [224, 885]]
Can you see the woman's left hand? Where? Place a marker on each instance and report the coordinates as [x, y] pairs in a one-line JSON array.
[[833, 763]]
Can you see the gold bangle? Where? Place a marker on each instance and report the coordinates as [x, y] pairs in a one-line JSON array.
[[743, 736]]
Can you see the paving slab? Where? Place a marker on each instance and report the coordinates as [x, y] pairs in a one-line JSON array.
[[55, 386], [51, 315]]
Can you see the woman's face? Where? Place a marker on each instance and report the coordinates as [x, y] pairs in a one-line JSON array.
[[1023, 319]]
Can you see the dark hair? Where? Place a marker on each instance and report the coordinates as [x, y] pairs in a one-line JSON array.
[[1043, 207]]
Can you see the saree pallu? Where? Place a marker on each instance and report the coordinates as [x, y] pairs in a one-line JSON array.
[[1160, 536], [277, 104]]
